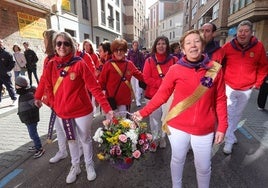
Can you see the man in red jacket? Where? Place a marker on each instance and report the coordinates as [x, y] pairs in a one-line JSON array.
[[245, 69]]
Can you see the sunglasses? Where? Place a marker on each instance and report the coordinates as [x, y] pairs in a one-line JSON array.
[[119, 50], [64, 43]]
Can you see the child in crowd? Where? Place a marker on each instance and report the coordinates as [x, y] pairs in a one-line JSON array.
[[29, 113]]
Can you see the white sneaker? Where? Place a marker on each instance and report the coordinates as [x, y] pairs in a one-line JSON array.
[[91, 174], [138, 104], [235, 140], [227, 149], [163, 143], [74, 171], [59, 156]]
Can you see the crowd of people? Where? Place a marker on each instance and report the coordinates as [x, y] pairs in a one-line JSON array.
[[194, 91]]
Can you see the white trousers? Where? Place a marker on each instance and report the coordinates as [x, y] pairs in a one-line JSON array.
[[236, 103], [155, 120], [202, 148], [137, 90], [82, 131]]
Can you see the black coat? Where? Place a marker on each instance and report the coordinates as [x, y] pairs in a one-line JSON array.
[[27, 111], [7, 62], [31, 59]]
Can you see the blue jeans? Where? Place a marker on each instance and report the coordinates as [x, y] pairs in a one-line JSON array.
[[32, 129]]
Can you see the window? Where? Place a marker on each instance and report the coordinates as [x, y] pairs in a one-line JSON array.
[[117, 17], [85, 9], [236, 5], [200, 22], [71, 32], [241, 4], [170, 23], [215, 13], [117, 2], [103, 18], [203, 2], [110, 16], [248, 2], [194, 10], [73, 6], [86, 36], [97, 41]]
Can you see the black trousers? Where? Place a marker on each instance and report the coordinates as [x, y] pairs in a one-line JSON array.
[[6, 80], [263, 93]]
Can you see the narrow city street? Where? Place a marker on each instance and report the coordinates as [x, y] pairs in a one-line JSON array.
[[245, 168]]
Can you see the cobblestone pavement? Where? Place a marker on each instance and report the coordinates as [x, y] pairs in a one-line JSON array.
[[245, 168]]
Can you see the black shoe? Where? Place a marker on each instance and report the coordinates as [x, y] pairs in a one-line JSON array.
[[39, 153]]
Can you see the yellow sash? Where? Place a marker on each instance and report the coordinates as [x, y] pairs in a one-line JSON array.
[[189, 101], [59, 80], [159, 71], [126, 81]]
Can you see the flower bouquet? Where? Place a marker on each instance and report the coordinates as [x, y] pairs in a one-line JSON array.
[[122, 141]]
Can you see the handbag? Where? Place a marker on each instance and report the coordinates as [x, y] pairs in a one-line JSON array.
[[142, 85], [112, 102]]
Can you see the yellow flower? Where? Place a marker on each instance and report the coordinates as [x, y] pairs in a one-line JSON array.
[[100, 156], [125, 123]]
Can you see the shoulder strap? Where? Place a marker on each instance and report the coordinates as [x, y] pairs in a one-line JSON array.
[[123, 76], [59, 80], [189, 101]]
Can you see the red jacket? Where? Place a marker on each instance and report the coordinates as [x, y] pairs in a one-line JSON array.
[[42, 92], [109, 80], [151, 74], [71, 99], [247, 67], [202, 117]]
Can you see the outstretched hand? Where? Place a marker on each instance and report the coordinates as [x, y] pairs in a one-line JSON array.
[[38, 103], [137, 116]]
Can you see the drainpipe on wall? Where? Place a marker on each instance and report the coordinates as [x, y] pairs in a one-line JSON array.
[[91, 21]]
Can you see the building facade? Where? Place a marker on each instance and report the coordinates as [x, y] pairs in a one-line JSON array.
[[24, 21], [134, 21], [165, 18], [106, 20], [72, 16], [171, 20]]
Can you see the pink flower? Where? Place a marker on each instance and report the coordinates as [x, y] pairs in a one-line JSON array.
[[141, 141], [106, 122], [136, 154], [149, 136], [123, 138]]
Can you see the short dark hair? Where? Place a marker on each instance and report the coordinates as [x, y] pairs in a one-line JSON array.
[[214, 27], [106, 46]]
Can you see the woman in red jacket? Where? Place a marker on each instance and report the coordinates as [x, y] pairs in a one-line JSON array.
[[117, 85], [68, 80], [155, 69], [200, 103]]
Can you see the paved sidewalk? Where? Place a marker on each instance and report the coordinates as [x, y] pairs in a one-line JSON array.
[[14, 136]]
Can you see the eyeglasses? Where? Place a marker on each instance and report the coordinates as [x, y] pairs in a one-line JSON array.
[[64, 43], [120, 50]]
